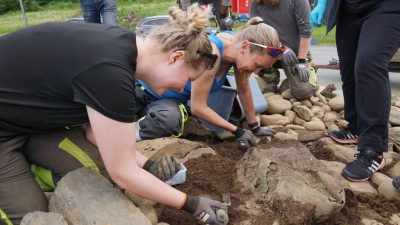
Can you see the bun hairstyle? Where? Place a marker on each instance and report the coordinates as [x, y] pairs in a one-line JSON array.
[[258, 32], [186, 30]]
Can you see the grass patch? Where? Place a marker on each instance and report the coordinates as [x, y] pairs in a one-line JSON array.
[[319, 34], [129, 13]]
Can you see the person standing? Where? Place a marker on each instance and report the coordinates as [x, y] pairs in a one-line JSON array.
[[367, 37], [100, 11], [291, 19]]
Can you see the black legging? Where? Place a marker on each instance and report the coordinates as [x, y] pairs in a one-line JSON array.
[[366, 42]]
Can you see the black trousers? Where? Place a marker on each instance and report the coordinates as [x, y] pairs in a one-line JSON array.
[[366, 42]]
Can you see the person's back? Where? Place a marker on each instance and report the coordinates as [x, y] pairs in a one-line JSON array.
[[26, 61]]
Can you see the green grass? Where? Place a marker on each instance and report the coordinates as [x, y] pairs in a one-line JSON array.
[[60, 11], [319, 33], [13, 21]]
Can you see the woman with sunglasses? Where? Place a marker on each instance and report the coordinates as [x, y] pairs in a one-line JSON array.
[[56, 76], [254, 47]]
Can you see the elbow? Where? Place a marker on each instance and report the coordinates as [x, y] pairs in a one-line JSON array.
[[195, 109], [121, 177], [117, 177]]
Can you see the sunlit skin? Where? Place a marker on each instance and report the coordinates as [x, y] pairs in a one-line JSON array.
[[248, 62], [171, 71], [245, 62]]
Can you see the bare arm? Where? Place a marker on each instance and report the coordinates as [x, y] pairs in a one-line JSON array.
[[117, 146], [245, 95], [140, 158], [199, 96]]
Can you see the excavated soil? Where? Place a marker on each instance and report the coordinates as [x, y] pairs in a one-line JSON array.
[[213, 175]]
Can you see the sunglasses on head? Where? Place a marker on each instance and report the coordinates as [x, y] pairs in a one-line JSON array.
[[212, 58], [272, 51]]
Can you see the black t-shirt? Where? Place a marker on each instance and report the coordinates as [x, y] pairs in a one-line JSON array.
[[49, 72]]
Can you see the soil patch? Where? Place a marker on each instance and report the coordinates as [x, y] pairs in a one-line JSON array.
[[213, 175]]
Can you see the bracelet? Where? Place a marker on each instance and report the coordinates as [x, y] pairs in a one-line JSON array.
[[254, 127], [190, 204], [302, 60]]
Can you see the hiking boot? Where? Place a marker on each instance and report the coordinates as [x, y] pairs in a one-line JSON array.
[[344, 136], [366, 163]]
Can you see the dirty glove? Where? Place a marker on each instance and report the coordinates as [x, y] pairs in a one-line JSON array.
[[226, 23], [317, 14], [261, 131], [245, 138], [203, 209], [164, 168], [289, 60], [302, 71]]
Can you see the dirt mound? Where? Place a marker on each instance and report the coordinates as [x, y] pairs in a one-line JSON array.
[[213, 175]]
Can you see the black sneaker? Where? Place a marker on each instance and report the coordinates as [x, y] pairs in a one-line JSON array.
[[344, 136], [362, 168]]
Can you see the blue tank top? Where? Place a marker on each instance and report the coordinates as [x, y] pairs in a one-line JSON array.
[[184, 96]]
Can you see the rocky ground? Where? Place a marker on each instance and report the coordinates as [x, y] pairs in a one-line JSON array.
[[292, 178]]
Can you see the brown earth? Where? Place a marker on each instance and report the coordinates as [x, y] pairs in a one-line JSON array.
[[213, 175]]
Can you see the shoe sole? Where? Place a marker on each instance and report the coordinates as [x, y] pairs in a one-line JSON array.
[[345, 141], [380, 168]]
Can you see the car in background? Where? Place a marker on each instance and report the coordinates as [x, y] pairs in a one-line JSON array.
[[146, 24]]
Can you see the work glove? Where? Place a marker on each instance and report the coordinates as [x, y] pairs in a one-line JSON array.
[[289, 60], [261, 131], [226, 23], [317, 14], [203, 209], [245, 138], [302, 71], [164, 168]]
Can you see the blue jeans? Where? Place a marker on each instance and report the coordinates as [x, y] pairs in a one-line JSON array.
[[100, 11]]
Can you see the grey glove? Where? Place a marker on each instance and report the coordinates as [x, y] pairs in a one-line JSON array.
[[164, 168], [203, 209], [289, 60], [226, 23], [302, 71], [245, 138], [261, 131]]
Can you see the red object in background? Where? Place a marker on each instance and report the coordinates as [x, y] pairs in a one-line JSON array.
[[241, 6]]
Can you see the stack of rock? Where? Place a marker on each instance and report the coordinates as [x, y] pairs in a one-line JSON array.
[[305, 120]]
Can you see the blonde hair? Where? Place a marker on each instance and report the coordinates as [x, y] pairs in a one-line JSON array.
[[186, 30], [258, 32]]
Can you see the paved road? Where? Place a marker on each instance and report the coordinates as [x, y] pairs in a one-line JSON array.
[[322, 55]]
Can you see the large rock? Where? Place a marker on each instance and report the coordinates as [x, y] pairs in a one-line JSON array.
[[85, 197], [278, 106], [43, 218], [337, 103], [317, 111], [394, 117], [394, 136], [330, 117], [363, 188], [289, 174], [291, 115], [385, 186], [309, 135], [342, 153], [181, 148], [275, 119], [303, 112], [314, 125]]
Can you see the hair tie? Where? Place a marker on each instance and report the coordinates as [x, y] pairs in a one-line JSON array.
[[258, 22]]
